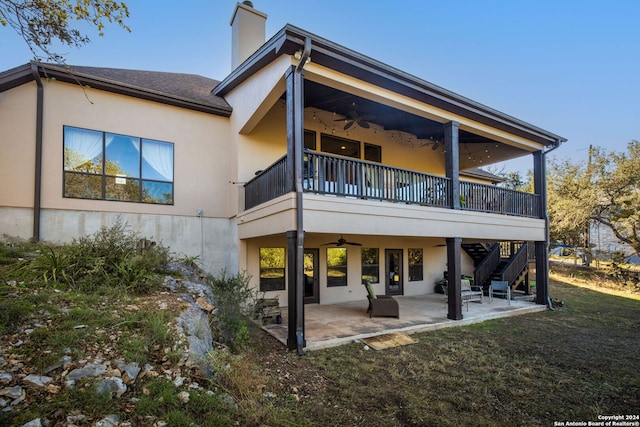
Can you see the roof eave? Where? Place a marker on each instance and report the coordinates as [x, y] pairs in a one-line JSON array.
[[291, 39], [113, 86], [23, 74], [15, 77]]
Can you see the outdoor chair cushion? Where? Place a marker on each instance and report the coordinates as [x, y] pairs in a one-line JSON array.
[[370, 290]]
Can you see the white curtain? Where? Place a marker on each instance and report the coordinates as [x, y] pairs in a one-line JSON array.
[[80, 146], [159, 155]]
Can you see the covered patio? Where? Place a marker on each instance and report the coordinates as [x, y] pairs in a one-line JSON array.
[[336, 324]]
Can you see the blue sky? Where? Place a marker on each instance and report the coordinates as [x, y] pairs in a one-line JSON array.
[[571, 67]]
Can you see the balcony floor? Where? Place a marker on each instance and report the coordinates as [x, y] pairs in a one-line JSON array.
[[336, 324]]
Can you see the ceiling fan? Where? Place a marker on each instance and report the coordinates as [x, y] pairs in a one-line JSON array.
[[352, 118], [342, 241]]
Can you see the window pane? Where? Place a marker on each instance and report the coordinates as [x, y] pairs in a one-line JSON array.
[[122, 188], [310, 140], [371, 273], [336, 266], [122, 155], [157, 192], [370, 264], [82, 186], [372, 153], [82, 150], [336, 276], [340, 146], [157, 160], [272, 269], [415, 264]]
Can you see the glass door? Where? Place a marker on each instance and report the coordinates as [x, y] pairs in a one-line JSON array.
[[311, 276], [393, 272]]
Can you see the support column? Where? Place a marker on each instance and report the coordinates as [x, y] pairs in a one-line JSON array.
[[295, 328], [541, 247], [452, 162], [454, 272], [295, 149]]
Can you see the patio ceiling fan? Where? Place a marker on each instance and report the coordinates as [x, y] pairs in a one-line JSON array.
[[352, 117], [342, 241]]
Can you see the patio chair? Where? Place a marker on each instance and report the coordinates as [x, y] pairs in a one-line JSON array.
[[500, 288], [467, 291], [381, 305]]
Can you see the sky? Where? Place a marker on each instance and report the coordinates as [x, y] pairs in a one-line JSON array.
[[571, 67]]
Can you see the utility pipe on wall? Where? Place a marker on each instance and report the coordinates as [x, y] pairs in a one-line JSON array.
[[37, 188]]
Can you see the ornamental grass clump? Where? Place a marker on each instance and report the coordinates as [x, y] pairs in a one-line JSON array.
[[113, 257]]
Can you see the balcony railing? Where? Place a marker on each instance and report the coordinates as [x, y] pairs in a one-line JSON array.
[[267, 185], [338, 176], [489, 198]]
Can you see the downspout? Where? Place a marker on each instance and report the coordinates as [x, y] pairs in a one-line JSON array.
[[301, 342], [37, 189], [555, 145]]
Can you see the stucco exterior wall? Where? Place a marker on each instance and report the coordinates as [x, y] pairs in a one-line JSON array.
[[434, 258], [213, 240], [201, 155], [202, 171], [17, 147]]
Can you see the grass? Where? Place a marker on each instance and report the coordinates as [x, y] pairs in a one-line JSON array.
[[574, 363], [571, 364]]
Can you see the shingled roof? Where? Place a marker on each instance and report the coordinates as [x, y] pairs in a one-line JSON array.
[[183, 90]]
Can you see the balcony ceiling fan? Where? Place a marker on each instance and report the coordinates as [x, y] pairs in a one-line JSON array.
[[352, 117], [342, 241]]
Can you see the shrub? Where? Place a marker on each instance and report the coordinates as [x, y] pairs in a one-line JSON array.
[[234, 300]]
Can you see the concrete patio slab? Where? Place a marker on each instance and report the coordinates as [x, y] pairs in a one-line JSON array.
[[336, 324]]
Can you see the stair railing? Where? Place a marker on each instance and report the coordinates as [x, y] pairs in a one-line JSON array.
[[516, 265], [487, 266]]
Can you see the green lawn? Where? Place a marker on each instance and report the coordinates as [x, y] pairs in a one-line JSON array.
[[571, 364]]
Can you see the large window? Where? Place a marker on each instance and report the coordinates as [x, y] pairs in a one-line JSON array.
[[415, 265], [108, 166], [371, 265], [272, 269], [336, 266], [341, 146], [373, 152], [309, 140]]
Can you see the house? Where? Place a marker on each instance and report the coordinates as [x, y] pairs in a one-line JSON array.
[[310, 166]]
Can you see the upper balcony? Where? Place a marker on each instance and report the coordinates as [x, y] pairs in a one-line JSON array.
[[342, 177]]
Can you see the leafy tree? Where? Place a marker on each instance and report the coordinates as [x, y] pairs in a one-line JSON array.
[[514, 179], [568, 202], [606, 190], [41, 23], [616, 177]]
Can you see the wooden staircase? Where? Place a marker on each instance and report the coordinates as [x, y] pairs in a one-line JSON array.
[[504, 262]]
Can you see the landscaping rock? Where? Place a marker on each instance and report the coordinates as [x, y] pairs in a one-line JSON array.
[[194, 324], [87, 371], [184, 396], [11, 392], [33, 423], [108, 421], [37, 380], [130, 371], [5, 378], [111, 385]]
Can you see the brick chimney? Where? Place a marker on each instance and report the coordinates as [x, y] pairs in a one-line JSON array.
[[247, 32]]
